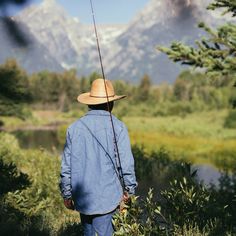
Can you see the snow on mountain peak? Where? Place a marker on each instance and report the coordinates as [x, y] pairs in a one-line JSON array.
[[47, 3], [76, 19]]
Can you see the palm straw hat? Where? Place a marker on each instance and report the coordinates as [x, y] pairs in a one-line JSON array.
[[97, 94]]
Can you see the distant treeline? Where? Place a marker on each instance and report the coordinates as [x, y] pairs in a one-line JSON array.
[[192, 91]]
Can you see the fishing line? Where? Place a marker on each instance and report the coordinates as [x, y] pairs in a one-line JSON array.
[[108, 105]]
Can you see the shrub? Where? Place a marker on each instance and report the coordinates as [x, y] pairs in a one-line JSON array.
[[184, 207], [35, 209], [230, 121]]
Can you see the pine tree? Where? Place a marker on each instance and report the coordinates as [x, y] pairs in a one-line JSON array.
[[144, 88], [14, 90], [217, 53], [229, 5]]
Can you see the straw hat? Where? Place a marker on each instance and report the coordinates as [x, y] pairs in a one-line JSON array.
[[97, 94]]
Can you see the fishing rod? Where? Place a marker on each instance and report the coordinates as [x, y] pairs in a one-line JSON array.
[[108, 104]]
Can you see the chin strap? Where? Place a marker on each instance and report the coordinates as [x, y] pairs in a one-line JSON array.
[[117, 156]]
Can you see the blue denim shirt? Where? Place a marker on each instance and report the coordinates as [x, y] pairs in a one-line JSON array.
[[89, 169]]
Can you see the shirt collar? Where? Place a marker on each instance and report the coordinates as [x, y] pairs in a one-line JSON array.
[[98, 112]]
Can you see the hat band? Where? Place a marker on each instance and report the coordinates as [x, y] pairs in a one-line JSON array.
[[102, 96]]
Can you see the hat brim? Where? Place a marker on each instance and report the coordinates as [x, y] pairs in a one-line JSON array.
[[85, 98]]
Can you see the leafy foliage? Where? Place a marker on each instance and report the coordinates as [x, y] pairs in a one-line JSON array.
[[186, 202], [12, 220], [187, 208], [229, 5], [11, 180], [215, 54], [34, 207], [139, 219], [13, 90], [184, 207], [230, 121], [144, 89]]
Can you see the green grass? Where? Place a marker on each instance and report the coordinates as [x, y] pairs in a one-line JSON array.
[[198, 137], [205, 124], [39, 119]]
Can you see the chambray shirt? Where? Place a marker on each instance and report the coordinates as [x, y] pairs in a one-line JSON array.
[[89, 167]]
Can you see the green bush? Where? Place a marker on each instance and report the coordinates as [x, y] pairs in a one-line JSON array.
[[11, 179], [10, 108], [14, 221], [230, 121], [36, 209], [184, 207]]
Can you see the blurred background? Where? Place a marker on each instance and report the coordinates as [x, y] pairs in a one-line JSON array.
[[175, 59]]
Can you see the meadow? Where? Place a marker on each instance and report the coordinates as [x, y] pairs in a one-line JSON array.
[[199, 138]]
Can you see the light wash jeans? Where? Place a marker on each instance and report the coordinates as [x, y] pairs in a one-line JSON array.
[[100, 224]]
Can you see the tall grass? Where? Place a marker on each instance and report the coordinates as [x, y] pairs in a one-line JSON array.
[[198, 137], [204, 124]]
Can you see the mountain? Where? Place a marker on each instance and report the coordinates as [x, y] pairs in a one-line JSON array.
[[71, 43], [160, 23], [128, 51], [49, 23], [28, 57]]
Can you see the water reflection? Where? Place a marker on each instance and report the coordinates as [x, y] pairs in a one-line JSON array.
[[208, 174], [34, 139]]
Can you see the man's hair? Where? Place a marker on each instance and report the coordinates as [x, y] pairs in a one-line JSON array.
[[103, 106]]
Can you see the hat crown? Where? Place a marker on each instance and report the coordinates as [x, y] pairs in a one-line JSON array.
[[98, 88]]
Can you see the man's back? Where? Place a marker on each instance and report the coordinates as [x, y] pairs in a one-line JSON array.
[[95, 182]]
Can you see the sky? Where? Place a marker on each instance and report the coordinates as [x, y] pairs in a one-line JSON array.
[[106, 11]]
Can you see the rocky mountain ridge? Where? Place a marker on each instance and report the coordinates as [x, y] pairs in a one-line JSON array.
[[129, 51]]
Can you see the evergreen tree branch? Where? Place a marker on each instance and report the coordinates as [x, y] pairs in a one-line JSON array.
[[216, 53], [230, 6]]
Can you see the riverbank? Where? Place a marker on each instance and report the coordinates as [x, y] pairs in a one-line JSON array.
[[48, 127], [39, 120], [199, 138]]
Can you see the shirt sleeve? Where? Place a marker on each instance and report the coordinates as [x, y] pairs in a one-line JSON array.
[[127, 161], [65, 181]]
